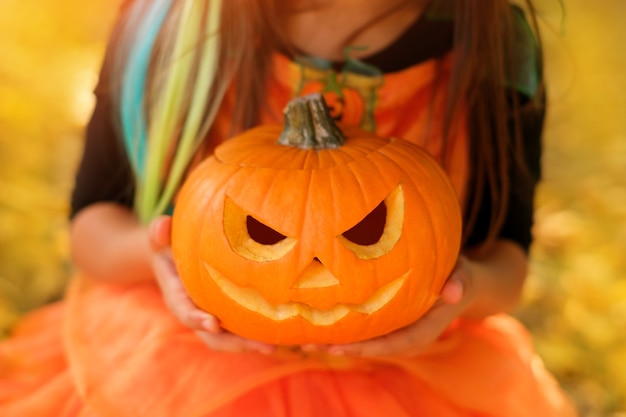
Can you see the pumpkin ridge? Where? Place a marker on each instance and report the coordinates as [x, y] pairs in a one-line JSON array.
[[363, 198], [426, 167], [250, 150], [406, 183]]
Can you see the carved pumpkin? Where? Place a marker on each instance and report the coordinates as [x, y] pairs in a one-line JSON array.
[[322, 236]]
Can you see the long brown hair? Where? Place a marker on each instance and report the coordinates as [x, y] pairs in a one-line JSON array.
[[484, 59], [484, 45]]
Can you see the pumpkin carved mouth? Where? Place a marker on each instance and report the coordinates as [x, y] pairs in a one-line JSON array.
[[252, 300]]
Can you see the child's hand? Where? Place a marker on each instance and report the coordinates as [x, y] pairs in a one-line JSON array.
[[206, 326], [411, 340]]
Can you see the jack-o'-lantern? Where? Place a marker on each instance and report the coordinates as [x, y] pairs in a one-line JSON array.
[[309, 233]]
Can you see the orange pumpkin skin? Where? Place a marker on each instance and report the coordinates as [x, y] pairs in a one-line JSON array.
[[274, 293]]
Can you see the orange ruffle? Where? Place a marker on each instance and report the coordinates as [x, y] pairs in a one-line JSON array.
[[115, 351]]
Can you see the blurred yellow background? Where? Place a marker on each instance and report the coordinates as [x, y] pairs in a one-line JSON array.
[[575, 303]]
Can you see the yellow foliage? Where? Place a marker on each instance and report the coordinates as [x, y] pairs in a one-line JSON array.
[[49, 57]]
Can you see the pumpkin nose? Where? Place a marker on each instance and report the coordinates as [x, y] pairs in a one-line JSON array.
[[316, 275]]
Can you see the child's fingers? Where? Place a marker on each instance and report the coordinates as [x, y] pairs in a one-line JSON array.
[[228, 342], [379, 346], [207, 327], [452, 291], [178, 300], [457, 283], [159, 232], [407, 341]]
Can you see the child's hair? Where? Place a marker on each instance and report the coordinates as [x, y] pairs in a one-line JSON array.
[[180, 56]]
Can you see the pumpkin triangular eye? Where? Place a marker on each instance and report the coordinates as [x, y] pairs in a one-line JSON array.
[[379, 231], [262, 233], [369, 230], [251, 238]]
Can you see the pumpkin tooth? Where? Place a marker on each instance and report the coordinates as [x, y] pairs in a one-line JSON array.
[[252, 300], [323, 317], [382, 296]]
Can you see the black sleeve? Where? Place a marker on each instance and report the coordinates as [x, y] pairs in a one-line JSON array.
[[518, 221], [104, 172]]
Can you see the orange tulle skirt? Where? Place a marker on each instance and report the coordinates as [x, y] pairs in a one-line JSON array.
[[115, 351]]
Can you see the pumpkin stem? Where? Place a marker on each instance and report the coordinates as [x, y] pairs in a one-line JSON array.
[[309, 125]]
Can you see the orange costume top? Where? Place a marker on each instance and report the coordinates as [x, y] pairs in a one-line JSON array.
[[374, 102], [112, 350]]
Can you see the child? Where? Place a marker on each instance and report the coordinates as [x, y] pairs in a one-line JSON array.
[[462, 80]]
